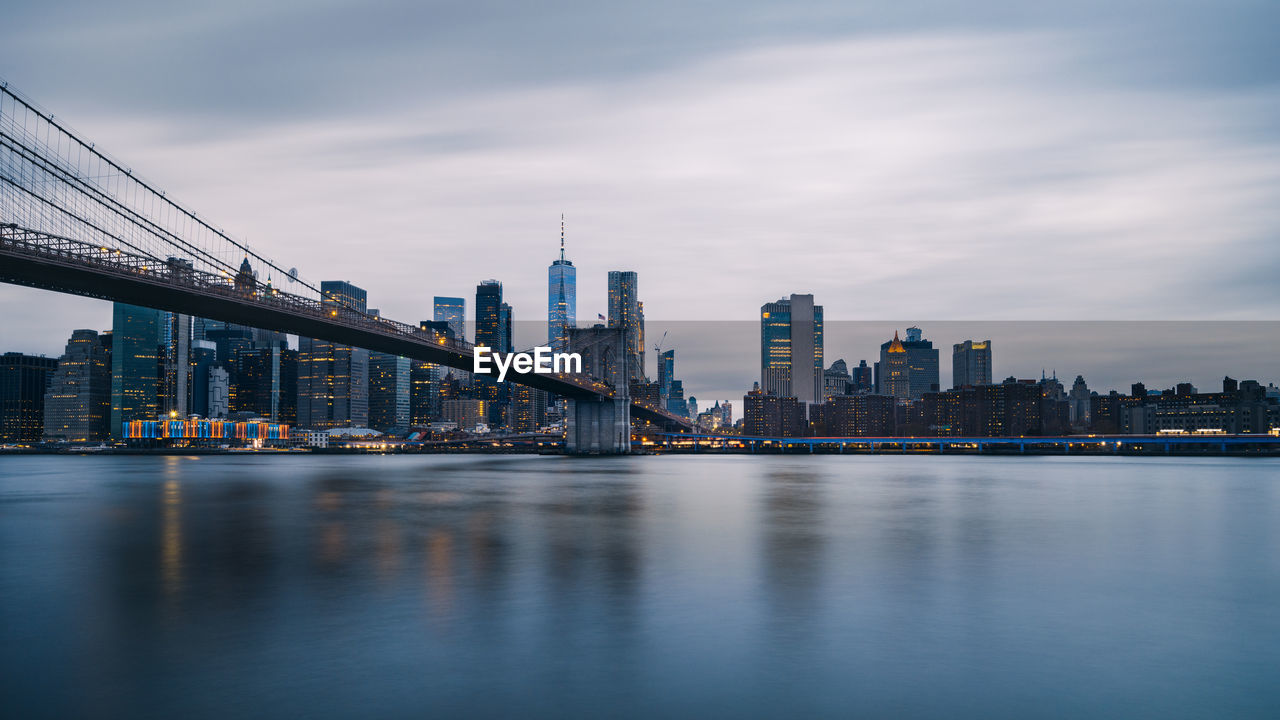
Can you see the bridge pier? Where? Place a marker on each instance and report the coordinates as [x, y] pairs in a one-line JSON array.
[[597, 427]]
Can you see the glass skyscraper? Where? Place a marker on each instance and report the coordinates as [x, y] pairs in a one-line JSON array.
[[562, 298], [626, 312], [135, 365], [452, 310], [791, 348]]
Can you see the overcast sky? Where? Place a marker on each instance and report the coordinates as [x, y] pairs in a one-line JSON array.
[[931, 160]]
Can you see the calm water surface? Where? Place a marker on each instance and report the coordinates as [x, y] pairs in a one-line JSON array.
[[730, 586]]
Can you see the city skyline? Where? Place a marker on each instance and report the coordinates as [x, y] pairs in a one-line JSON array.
[[1028, 149]]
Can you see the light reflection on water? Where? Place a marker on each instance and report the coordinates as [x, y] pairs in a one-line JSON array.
[[634, 587]]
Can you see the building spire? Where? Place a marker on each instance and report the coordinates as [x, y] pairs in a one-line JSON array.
[[562, 237]]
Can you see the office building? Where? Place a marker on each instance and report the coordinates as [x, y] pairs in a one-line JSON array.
[[562, 298], [77, 405], [626, 312], [333, 379], [908, 368], [452, 311], [971, 363], [835, 380], [135, 365], [390, 392], [24, 381], [791, 349]]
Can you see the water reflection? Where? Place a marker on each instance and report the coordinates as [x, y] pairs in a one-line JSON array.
[[637, 587], [794, 542]]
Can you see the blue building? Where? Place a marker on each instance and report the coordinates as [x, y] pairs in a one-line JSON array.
[[562, 298], [135, 365]]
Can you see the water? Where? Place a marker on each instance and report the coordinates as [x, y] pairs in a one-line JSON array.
[[728, 586]]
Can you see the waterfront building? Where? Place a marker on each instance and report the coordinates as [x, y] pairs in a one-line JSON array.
[[626, 312], [24, 381], [971, 363], [769, 415], [135, 365], [791, 363], [562, 298], [77, 405]]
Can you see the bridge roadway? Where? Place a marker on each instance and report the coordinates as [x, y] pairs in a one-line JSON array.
[[41, 260]]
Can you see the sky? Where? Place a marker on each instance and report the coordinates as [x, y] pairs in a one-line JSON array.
[[923, 161]]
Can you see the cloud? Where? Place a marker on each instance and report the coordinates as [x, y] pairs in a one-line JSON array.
[[943, 175]]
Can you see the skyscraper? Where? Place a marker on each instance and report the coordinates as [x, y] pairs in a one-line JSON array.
[[971, 363], [489, 328], [77, 405], [175, 390], [24, 379], [791, 348], [666, 375], [562, 298], [333, 379], [907, 369], [923, 359], [389, 392], [135, 365], [493, 330], [452, 310], [893, 372], [626, 312]]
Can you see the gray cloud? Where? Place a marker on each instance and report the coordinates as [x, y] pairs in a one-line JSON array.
[[984, 162]]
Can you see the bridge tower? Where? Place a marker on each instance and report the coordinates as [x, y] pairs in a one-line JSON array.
[[600, 426]]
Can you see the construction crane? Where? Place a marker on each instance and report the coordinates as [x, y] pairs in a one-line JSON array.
[[657, 349]]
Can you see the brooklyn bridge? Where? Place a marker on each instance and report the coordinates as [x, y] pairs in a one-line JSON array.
[[75, 220]]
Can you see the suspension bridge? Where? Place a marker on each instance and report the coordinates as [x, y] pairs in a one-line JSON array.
[[75, 220]]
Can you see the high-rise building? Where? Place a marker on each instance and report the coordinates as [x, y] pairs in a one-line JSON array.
[[265, 383], [835, 380], [489, 329], [204, 356], [562, 298], [77, 406], [389, 392], [24, 379], [492, 331], [135, 365], [666, 375], [907, 369], [528, 409], [861, 378], [626, 312], [791, 349], [452, 310], [1078, 414], [175, 359], [333, 379], [971, 363], [508, 324]]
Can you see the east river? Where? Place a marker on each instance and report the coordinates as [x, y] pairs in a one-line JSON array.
[[669, 586]]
